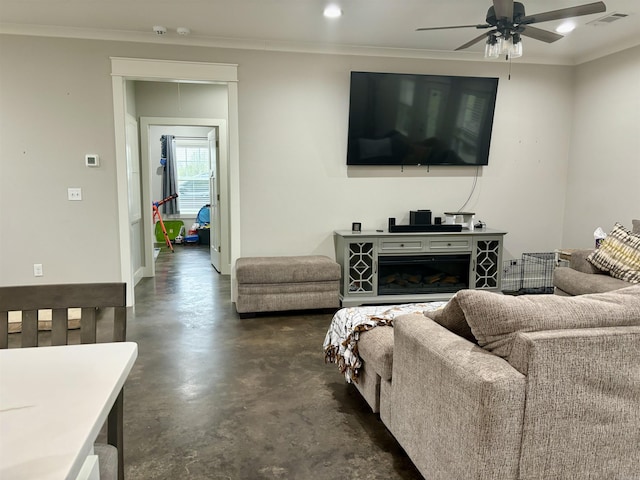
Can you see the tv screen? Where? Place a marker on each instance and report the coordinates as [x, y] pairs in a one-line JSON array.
[[405, 119]]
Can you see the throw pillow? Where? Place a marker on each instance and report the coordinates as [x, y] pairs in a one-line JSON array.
[[451, 317], [619, 254], [496, 319]]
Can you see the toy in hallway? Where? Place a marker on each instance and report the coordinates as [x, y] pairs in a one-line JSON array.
[[192, 236], [180, 237], [156, 215]]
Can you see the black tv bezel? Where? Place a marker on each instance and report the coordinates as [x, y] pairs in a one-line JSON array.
[[489, 133]]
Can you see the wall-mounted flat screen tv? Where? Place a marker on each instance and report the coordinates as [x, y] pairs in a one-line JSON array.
[[406, 119]]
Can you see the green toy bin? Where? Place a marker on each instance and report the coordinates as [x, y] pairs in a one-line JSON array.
[[173, 229]]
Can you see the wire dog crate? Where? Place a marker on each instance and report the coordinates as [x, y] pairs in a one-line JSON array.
[[531, 274]]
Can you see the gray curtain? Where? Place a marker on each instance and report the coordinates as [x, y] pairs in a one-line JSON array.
[[169, 174]]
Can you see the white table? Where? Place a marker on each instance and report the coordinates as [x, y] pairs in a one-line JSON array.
[[53, 403]]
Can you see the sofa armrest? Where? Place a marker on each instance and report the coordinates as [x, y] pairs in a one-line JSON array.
[[456, 409], [579, 261], [582, 413]]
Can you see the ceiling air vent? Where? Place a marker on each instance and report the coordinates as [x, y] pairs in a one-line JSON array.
[[612, 17]]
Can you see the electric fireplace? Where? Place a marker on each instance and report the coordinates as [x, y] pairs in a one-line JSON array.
[[421, 274]]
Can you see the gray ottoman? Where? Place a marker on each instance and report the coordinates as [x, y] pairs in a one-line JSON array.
[[272, 284]]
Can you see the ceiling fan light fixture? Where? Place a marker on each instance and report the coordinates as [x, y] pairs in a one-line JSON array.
[[509, 20], [507, 43], [512, 46], [493, 47], [515, 50]]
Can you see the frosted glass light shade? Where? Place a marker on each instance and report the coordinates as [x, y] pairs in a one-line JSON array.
[[516, 50], [493, 47]]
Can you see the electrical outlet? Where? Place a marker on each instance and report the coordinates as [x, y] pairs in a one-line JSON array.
[[37, 270], [74, 193]]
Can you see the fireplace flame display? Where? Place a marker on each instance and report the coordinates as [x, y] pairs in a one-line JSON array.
[[422, 274]]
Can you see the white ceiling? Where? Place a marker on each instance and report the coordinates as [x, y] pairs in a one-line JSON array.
[[381, 27]]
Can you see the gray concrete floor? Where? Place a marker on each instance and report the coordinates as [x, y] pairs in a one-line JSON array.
[[212, 396]]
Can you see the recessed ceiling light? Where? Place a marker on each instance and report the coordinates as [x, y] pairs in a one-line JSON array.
[[332, 11], [566, 27]]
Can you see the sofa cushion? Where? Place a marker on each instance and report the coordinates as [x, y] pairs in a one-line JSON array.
[[496, 319], [575, 282], [375, 347], [451, 317], [619, 254]]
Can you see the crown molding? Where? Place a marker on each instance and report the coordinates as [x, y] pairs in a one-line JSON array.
[[278, 46]]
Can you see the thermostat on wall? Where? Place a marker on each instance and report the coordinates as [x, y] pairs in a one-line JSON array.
[[92, 160]]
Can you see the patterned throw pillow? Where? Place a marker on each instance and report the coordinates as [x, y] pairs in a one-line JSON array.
[[619, 254]]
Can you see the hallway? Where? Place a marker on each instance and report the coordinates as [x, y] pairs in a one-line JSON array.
[[215, 397]]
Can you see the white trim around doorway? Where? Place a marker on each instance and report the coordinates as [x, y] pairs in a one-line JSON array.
[[221, 125]]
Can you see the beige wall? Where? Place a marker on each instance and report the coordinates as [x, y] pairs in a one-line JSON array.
[[166, 99], [604, 167], [295, 189]]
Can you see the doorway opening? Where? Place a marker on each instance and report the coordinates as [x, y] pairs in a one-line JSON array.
[[125, 70], [213, 133]]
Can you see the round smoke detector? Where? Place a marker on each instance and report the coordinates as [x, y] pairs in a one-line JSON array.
[[159, 29]]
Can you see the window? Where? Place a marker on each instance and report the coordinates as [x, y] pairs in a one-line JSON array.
[[193, 168]]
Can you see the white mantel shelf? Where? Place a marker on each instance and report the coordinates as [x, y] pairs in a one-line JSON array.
[[385, 233]]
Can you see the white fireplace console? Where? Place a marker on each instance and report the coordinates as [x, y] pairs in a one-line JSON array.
[[450, 261]]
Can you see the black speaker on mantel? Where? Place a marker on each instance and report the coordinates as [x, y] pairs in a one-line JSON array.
[[392, 222], [420, 217]]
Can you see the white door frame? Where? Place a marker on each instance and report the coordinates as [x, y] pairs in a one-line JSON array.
[[215, 123], [123, 69]]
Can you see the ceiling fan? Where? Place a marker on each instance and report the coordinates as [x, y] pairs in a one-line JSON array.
[[508, 22]]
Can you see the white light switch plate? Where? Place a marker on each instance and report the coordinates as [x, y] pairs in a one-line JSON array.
[[37, 270], [74, 193]]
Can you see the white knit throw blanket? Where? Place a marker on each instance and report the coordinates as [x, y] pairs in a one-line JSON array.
[[340, 343]]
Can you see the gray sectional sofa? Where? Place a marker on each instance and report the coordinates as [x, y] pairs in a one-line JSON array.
[[581, 277], [501, 387]]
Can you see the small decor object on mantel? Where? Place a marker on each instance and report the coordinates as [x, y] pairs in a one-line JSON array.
[[356, 227], [460, 218]]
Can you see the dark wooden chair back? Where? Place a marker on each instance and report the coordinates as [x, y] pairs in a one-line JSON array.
[[90, 298]]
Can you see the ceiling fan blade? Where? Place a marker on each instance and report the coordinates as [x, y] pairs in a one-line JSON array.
[[486, 25], [539, 34], [578, 11], [473, 42], [503, 9]]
